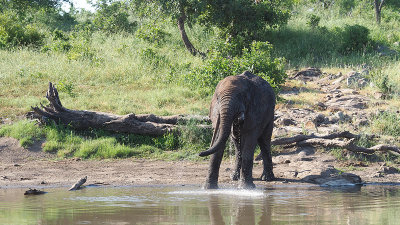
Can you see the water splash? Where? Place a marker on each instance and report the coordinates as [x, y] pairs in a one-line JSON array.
[[227, 192]]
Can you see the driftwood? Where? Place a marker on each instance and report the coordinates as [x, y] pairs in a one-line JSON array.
[[78, 184], [147, 124]]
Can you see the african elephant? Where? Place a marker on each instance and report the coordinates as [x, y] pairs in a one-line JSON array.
[[244, 104]]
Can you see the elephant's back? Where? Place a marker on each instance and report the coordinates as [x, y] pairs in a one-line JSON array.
[[258, 85]]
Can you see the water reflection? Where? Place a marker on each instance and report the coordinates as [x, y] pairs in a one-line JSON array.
[[191, 205]]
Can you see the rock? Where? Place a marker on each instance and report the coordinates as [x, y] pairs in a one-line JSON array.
[[320, 106], [388, 170], [333, 177], [288, 122], [338, 80], [361, 122], [34, 192], [379, 95], [385, 51], [320, 119], [342, 117], [308, 74], [355, 79], [347, 102]]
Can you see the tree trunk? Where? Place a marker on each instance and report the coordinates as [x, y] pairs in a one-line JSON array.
[[378, 8], [147, 124], [189, 46]]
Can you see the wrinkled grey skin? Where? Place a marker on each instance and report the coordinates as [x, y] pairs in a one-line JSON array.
[[243, 104]]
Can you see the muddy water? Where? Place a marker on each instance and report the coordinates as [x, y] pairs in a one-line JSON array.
[[286, 204]]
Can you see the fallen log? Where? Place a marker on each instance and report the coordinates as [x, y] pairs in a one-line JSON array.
[[78, 184], [332, 141], [147, 124], [349, 145], [302, 137]]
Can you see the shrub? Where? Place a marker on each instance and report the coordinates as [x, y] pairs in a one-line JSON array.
[[381, 81], [313, 21], [352, 38], [14, 33], [256, 59], [113, 18], [152, 33]]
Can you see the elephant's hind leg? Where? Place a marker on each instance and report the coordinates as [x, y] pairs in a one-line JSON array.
[[248, 145], [238, 158], [265, 146]]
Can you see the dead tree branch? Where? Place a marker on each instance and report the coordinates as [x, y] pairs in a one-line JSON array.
[[147, 124]]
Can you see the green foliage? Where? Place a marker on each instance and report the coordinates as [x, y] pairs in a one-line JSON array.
[[256, 59], [345, 6], [100, 144], [113, 17], [14, 33], [166, 142], [24, 130], [66, 87], [353, 38], [386, 123], [152, 34], [313, 21], [381, 80], [194, 137], [153, 58], [243, 17], [233, 18]]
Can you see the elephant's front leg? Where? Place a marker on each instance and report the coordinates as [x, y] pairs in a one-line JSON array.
[[246, 178], [265, 145], [213, 170]]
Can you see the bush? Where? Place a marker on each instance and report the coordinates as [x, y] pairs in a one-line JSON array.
[[256, 59], [381, 81], [14, 33], [113, 18], [152, 33], [313, 21], [352, 38]]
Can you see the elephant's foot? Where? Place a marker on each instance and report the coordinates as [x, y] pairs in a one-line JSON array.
[[209, 185], [267, 176], [247, 185], [235, 175]]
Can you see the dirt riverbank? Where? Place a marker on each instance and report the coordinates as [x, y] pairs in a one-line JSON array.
[[20, 167]]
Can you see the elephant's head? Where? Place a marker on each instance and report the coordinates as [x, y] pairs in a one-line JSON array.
[[228, 105]]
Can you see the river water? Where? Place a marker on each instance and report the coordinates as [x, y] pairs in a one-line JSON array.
[[276, 204]]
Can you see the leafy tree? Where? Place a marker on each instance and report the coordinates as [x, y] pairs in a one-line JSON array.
[[112, 16], [233, 17]]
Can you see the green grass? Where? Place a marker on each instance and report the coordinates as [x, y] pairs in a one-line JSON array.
[[25, 131], [99, 144]]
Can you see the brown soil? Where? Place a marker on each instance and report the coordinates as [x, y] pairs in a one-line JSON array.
[[20, 167]]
